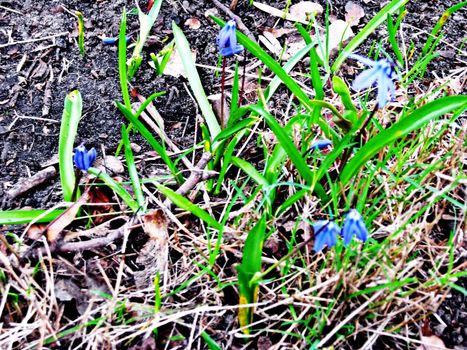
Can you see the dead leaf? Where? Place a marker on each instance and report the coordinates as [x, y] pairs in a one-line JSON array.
[[306, 10], [431, 343], [193, 23], [271, 43], [339, 32], [278, 32], [175, 67], [55, 228], [154, 255], [353, 13], [280, 13]]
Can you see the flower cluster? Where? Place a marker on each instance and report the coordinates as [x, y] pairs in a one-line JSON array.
[[227, 40], [83, 158], [327, 231], [381, 74]]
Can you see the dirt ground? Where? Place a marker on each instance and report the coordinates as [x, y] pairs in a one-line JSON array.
[[40, 64]]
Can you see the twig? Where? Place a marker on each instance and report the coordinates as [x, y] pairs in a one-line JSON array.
[[240, 24], [31, 182], [33, 40], [197, 174]]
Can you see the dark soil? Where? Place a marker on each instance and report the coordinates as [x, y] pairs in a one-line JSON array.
[[35, 77]]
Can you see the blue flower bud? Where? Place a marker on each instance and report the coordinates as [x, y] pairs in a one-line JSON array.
[[83, 158], [354, 225], [320, 144], [326, 234], [227, 40]]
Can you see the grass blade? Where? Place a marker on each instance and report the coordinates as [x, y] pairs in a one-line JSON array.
[[185, 204], [151, 140], [18, 217], [184, 51], [291, 151], [414, 121], [376, 21], [68, 130], [250, 170], [130, 161], [122, 62], [115, 186]]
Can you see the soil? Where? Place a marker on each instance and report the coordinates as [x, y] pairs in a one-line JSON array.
[[37, 73]]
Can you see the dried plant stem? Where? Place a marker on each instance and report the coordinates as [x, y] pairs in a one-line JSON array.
[[242, 90]]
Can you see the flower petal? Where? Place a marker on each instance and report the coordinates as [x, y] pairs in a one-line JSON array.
[[383, 88], [365, 79], [362, 59]]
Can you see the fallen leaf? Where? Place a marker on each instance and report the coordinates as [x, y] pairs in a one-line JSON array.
[[339, 32], [271, 43], [278, 32], [306, 10], [154, 254], [353, 13], [280, 13], [431, 343], [175, 67], [193, 23]]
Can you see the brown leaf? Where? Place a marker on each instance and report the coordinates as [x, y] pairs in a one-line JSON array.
[[431, 343], [55, 228], [305, 10], [154, 255], [193, 23], [353, 13]]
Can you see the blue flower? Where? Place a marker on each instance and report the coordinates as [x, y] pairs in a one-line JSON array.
[[325, 233], [83, 158], [227, 40], [320, 144], [354, 225], [380, 74]]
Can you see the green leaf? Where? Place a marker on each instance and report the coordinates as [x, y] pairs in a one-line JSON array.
[[18, 217], [376, 21], [291, 151], [183, 48], [185, 204], [151, 140], [116, 187], [250, 170], [122, 62], [68, 131], [250, 266], [230, 131], [272, 64], [412, 122], [130, 161]]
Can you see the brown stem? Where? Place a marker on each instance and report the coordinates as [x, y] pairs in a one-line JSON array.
[[222, 91], [242, 91]]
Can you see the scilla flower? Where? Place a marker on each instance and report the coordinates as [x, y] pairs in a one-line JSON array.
[[326, 233], [354, 225], [83, 158], [381, 74], [227, 40], [320, 144]]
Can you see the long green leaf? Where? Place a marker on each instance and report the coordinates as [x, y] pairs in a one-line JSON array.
[[291, 151], [115, 186], [130, 161], [414, 121], [185, 204], [251, 171], [122, 62], [183, 48], [152, 141], [376, 21], [68, 130], [18, 217], [272, 64]]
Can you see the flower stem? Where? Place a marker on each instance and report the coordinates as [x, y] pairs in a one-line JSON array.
[[78, 174], [222, 91]]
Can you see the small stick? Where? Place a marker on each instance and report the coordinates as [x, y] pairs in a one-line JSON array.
[[222, 92], [240, 24], [31, 182]]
